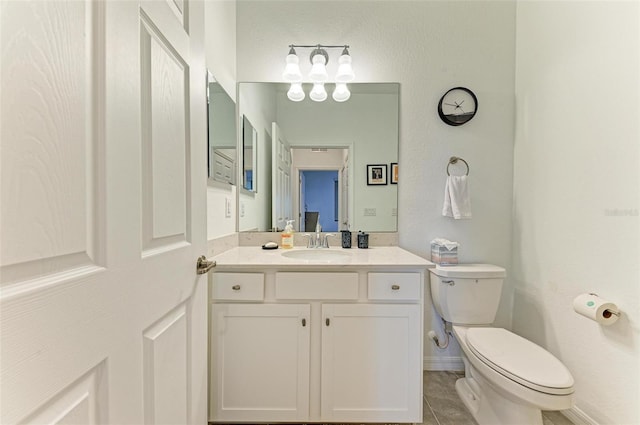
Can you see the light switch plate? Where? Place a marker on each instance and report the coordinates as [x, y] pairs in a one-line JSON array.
[[227, 207]]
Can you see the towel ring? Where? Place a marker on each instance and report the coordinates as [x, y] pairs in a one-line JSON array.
[[455, 159]]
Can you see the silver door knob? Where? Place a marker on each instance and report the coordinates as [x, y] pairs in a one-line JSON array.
[[203, 265]]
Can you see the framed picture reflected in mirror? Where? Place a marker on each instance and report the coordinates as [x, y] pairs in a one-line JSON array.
[[376, 174], [394, 173]]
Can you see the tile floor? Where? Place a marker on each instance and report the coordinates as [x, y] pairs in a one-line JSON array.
[[442, 406]]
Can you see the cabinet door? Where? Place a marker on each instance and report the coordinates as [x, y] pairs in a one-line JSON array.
[[371, 365], [259, 362]]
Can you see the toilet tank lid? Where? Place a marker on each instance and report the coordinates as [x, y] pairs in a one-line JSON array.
[[470, 271]]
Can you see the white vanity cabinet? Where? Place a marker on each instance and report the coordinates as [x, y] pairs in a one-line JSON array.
[[259, 362], [371, 363], [321, 344]]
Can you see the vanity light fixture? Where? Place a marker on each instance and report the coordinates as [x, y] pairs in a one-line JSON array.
[[292, 70], [295, 92], [318, 93], [318, 74], [319, 60], [341, 93], [345, 72]]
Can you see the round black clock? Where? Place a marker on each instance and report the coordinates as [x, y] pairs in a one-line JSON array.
[[458, 106]]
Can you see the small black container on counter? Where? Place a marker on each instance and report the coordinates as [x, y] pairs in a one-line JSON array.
[[363, 240], [346, 238]]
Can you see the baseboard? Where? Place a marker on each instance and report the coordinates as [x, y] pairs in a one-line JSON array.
[[578, 417], [442, 363]]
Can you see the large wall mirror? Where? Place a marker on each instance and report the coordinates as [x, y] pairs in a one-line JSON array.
[[221, 129], [321, 162]]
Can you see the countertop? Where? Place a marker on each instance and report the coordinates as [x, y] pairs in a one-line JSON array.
[[373, 257]]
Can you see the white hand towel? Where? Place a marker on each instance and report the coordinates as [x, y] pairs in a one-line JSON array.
[[457, 200]]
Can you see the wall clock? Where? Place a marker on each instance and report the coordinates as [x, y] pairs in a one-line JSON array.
[[457, 106]]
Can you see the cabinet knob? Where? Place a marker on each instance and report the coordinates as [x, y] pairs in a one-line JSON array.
[[395, 287], [327, 321], [304, 322], [236, 287]]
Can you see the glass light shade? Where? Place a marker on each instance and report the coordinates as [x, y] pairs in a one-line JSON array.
[[318, 93], [341, 93], [318, 73], [295, 92], [292, 69], [345, 72]]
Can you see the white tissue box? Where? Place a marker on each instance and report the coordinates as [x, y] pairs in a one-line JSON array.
[[443, 256]]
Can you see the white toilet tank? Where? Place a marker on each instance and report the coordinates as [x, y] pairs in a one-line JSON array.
[[467, 294]]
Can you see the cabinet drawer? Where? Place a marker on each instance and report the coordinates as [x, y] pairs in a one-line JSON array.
[[238, 286], [316, 286], [394, 286]]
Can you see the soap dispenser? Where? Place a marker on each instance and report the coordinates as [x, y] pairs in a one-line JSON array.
[[287, 235]]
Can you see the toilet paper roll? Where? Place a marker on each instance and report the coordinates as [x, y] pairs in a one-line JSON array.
[[595, 308]]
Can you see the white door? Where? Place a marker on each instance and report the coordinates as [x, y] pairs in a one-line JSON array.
[[282, 202], [302, 210], [345, 223], [102, 212]]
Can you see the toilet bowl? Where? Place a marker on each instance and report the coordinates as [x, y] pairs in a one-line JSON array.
[[508, 379]]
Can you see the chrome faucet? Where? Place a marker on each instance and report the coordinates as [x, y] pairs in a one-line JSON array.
[[325, 241], [318, 240]]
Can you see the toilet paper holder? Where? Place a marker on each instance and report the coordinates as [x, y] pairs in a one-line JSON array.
[[609, 310]]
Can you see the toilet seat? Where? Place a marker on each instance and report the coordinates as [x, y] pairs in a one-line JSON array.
[[520, 360]]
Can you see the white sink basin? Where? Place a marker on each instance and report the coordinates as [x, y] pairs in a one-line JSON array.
[[318, 255]]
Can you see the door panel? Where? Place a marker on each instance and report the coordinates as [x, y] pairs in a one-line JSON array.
[[282, 203], [50, 168], [165, 369], [103, 318], [81, 403], [164, 140]]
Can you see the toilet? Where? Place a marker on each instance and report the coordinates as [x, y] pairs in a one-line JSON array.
[[508, 379]]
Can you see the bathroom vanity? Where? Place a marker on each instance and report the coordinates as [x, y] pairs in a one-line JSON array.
[[316, 335]]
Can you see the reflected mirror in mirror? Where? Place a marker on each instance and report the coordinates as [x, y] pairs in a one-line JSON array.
[[249, 152], [221, 132], [315, 168]]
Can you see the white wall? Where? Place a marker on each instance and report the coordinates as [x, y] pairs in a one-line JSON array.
[[577, 194], [220, 43], [220, 51], [428, 47]]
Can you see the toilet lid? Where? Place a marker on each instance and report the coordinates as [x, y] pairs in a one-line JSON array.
[[520, 360]]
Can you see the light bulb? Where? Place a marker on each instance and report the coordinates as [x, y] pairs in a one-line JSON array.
[[345, 72], [292, 69], [341, 93], [318, 93], [295, 92], [318, 73]]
